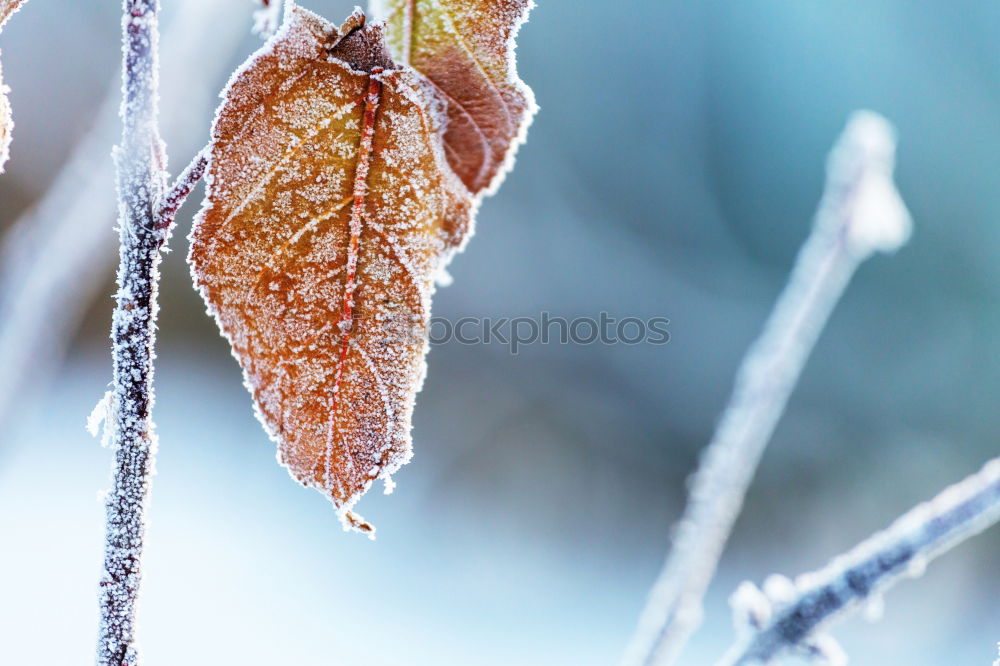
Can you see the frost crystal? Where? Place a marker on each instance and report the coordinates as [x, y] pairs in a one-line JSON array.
[[751, 608], [860, 175], [874, 608], [827, 650], [102, 415]]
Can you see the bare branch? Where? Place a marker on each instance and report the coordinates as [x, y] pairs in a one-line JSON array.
[[903, 550], [861, 212], [140, 160]]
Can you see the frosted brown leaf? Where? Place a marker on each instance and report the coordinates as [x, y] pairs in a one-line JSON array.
[[330, 210], [466, 48], [7, 7]]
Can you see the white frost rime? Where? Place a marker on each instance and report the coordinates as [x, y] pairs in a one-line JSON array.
[[101, 419]]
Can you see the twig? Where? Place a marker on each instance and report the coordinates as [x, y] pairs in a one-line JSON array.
[[903, 550], [141, 182], [861, 212], [180, 190]]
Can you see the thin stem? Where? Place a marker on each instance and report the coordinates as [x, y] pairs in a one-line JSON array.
[[903, 550], [860, 212], [179, 191], [139, 160]]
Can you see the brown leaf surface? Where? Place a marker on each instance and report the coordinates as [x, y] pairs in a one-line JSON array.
[[330, 209], [466, 48], [7, 8]]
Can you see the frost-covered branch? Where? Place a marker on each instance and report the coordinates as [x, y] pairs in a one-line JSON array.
[[140, 161], [787, 618], [861, 212]]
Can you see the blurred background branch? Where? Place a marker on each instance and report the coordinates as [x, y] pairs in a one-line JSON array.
[[786, 620], [861, 212]]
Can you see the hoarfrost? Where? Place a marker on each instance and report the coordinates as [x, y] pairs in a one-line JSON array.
[[779, 589], [874, 608], [100, 416], [861, 168], [827, 650], [443, 278], [751, 608]]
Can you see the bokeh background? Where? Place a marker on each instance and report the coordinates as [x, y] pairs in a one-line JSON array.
[[672, 171]]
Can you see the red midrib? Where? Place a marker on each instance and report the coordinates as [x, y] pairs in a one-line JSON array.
[[357, 214]]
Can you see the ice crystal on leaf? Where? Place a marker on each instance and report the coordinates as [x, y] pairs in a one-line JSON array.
[[331, 209]]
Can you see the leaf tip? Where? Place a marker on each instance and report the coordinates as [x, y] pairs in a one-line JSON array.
[[352, 522]]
